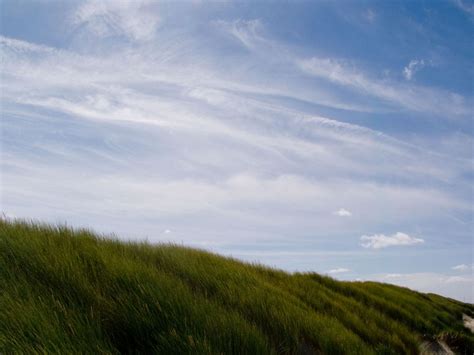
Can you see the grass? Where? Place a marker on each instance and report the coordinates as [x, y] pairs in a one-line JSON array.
[[71, 291]]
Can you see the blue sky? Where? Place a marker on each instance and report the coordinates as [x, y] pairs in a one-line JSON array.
[[327, 136]]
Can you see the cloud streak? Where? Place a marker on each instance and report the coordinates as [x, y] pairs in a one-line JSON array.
[[380, 241], [462, 267], [411, 97], [339, 270]]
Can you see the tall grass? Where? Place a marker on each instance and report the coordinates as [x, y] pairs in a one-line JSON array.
[[66, 291]]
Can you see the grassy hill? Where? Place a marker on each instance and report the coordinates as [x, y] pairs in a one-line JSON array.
[[65, 291]]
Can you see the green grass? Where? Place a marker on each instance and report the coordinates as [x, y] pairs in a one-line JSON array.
[[66, 291]]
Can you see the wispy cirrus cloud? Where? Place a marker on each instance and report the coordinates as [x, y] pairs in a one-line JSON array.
[[248, 32], [345, 73], [203, 107], [130, 19], [412, 97], [412, 67], [465, 6]]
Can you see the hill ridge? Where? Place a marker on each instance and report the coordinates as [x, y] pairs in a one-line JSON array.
[[74, 291]]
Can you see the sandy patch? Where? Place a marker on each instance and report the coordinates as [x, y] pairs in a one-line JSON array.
[[468, 322], [435, 348]]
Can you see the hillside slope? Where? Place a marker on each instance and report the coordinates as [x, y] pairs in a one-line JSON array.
[[66, 291]]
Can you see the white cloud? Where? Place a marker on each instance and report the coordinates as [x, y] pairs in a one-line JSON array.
[[343, 213], [462, 267], [379, 241], [167, 231], [339, 270], [412, 67]]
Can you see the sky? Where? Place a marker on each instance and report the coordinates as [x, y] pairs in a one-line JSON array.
[[334, 137]]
